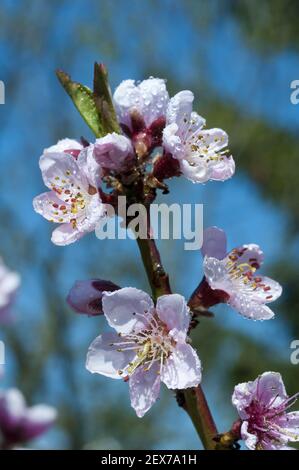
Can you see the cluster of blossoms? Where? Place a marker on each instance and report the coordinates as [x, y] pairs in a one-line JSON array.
[[77, 173], [161, 137]]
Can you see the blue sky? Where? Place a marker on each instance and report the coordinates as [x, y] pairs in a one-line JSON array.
[[259, 86]]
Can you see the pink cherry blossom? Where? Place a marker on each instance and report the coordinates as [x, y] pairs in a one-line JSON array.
[[114, 152], [262, 406], [9, 283], [235, 274], [201, 152], [149, 345], [147, 101], [19, 423], [73, 176]]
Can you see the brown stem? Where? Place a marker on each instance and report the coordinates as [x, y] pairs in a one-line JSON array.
[[197, 407], [193, 399]]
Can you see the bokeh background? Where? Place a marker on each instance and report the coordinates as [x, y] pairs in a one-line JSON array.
[[239, 58]]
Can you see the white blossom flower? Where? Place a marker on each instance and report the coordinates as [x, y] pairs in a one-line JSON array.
[[201, 152], [73, 177], [235, 274], [148, 345]]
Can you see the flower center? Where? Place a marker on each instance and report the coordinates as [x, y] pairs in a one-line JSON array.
[[152, 345], [267, 422]]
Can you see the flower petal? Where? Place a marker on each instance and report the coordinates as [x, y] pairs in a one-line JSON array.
[[250, 254], [195, 170], [214, 243], [37, 420], [173, 311], [94, 213], [182, 369], [63, 145], [154, 99], [149, 98], [243, 395], [269, 385], [113, 151], [172, 142], [180, 108], [12, 409], [144, 389], [215, 271], [249, 308], [65, 234], [223, 170], [60, 171], [48, 205], [250, 440], [268, 389], [127, 97], [292, 426], [127, 309], [103, 357], [267, 290], [89, 167]]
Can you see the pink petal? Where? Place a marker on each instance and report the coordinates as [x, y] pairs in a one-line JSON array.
[[37, 420], [154, 99], [182, 369], [243, 395], [149, 99], [65, 234], [180, 108], [197, 172], [269, 385], [144, 389], [12, 409], [267, 291], [127, 97], [127, 309], [63, 145], [215, 139], [292, 426], [248, 254], [48, 205], [264, 389], [103, 357], [223, 170], [249, 308], [60, 170], [173, 311], [172, 142], [113, 151], [214, 243], [250, 440], [89, 167], [94, 213], [215, 271]]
